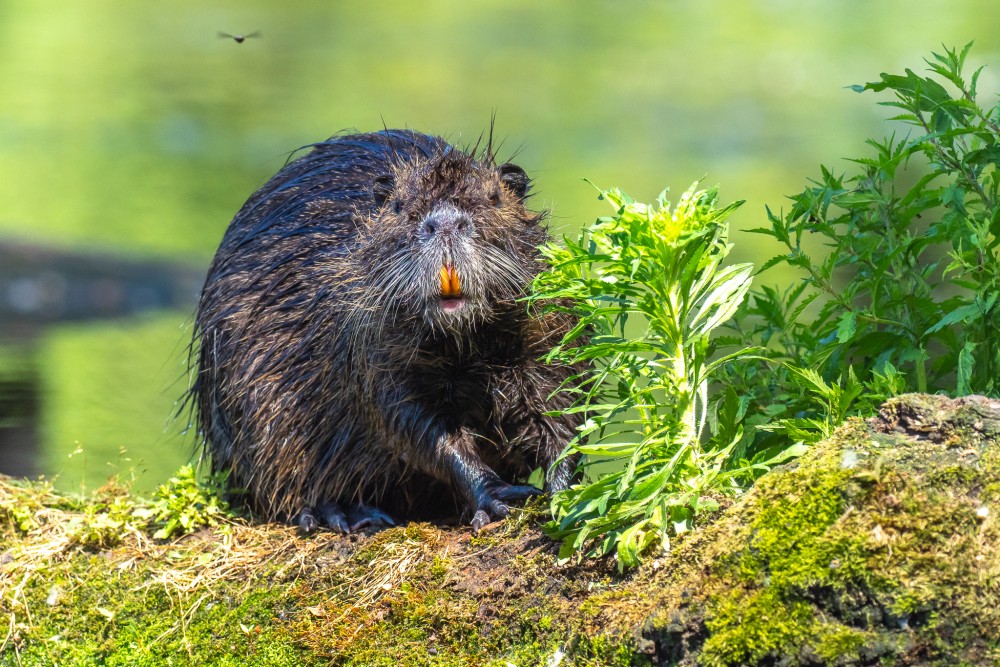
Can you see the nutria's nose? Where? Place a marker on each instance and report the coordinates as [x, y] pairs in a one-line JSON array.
[[446, 221]]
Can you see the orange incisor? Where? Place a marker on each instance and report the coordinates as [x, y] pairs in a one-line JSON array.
[[451, 286]]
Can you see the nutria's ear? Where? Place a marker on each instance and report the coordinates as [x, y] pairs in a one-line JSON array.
[[514, 179], [382, 188]]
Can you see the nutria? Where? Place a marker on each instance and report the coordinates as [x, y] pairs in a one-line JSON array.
[[363, 351]]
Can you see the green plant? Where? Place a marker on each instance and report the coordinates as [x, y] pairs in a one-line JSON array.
[[904, 298], [648, 288], [910, 280], [899, 272], [184, 505], [832, 402], [105, 519]]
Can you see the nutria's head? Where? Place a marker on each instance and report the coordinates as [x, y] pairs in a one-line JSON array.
[[451, 242]]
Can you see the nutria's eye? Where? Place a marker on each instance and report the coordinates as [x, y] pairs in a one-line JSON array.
[[495, 198], [397, 206], [381, 189]]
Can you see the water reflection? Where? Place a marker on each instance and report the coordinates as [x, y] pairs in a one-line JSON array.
[[43, 287], [20, 403]]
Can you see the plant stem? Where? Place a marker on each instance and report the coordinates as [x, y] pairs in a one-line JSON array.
[[921, 373]]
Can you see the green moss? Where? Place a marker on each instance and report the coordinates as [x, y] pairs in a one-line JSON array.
[[840, 643], [957, 476], [124, 617], [747, 626], [800, 539], [990, 484], [788, 517]]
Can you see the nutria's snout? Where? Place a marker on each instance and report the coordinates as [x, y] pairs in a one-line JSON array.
[[446, 234], [446, 223]]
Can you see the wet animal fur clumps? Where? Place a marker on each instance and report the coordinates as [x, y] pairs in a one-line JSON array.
[[361, 353]]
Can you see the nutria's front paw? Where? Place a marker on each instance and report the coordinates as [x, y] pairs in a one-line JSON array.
[[362, 515], [491, 502], [333, 516], [324, 515]]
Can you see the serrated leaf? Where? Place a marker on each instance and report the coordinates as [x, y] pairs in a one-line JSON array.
[[963, 315], [846, 326], [966, 364], [814, 381], [774, 261]]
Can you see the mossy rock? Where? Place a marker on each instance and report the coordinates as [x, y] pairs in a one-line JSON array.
[[880, 546]]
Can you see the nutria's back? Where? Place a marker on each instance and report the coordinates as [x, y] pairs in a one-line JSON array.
[[361, 342]]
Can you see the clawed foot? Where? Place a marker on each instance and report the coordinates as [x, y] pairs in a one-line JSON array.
[[491, 502], [334, 517], [361, 516]]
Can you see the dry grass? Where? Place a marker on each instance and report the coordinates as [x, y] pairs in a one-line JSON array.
[[42, 534]]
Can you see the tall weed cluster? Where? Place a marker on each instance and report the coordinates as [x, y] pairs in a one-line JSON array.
[[695, 383], [649, 288], [898, 265]]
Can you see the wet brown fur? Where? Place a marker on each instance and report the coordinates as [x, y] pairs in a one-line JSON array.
[[326, 369]]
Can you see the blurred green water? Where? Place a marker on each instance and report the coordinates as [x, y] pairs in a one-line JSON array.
[[132, 126]]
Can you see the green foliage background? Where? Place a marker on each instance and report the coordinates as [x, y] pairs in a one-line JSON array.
[[131, 126]]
